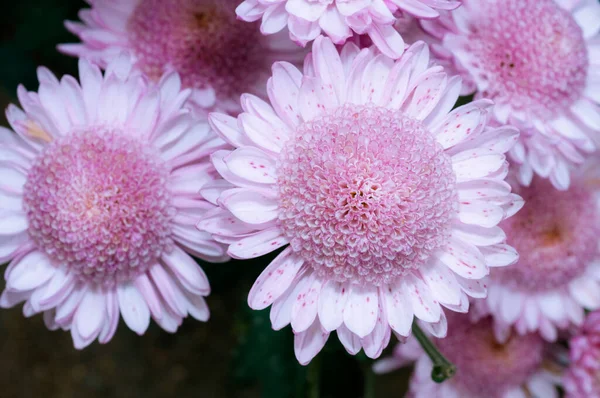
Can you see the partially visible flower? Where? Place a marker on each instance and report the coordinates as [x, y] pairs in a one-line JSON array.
[[99, 197], [387, 199], [581, 379], [558, 272], [216, 55], [538, 60], [517, 368], [341, 19]]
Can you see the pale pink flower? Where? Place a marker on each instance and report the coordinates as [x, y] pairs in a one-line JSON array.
[[99, 197], [341, 19], [539, 61], [214, 53], [558, 272], [581, 379], [388, 200], [517, 368]]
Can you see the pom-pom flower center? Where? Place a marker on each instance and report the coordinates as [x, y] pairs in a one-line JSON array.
[[555, 234], [487, 367], [533, 53], [366, 194], [200, 39], [97, 201]]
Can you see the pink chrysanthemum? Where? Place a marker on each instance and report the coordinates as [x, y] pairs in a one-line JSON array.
[[389, 203], [216, 55], [340, 19], [581, 379], [558, 273], [486, 368], [99, 199], [539, 61]]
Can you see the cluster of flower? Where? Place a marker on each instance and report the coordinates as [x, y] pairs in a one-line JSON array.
[[326, 128]]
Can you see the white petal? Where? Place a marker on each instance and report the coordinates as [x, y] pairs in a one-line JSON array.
[[464, 259], [283, 89], [274, 280], [252, 164], [332, 302], [426, 95], [374, 343], [477, 235], [265, 135], [249, 205], [307, 344], [465, 121], [227, 128], [316, 98], [349, 340], [398, 308], [187, 271], [484, 214], [112, 318], [500, 255], [134, 308], [442, 283], [511, 306], [586, 292], [12, 222], [328, 66], [361, 311], [478, 163], [425, 307], [258, 244], [304, 309], [30, 271], [91, 314], [474, 288]]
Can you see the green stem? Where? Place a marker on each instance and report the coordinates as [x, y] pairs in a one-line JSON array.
[[442, 368], [369, 389], [314, 378]]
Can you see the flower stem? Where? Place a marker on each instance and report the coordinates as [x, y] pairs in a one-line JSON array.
[[314, 378], [369, 386], [442, 368]]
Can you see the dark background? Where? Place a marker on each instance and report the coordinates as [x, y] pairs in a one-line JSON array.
[[235, 354]]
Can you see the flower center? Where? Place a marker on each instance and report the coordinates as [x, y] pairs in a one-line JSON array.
[[366, 194], [556, 235], [201, 39], [487, 368], [530, 54], [97, 202]]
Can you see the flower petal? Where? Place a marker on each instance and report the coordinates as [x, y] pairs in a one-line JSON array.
[[134, 308], [361, 311], [274, 280]]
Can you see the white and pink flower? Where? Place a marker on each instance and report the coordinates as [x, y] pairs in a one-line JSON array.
[[99, 200], [517, 368], [558, 272], [214, 53], [581, 379], [341, 19], [539, 61], [386, 200]]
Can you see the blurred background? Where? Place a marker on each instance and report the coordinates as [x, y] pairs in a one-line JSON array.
[[235, 354]]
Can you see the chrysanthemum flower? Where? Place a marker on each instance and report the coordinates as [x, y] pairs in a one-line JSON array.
[[340, 19], [214, 53], [581, 379], [558, 272], [517, 368], [539, 61], [388, 203], [99, 199]]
